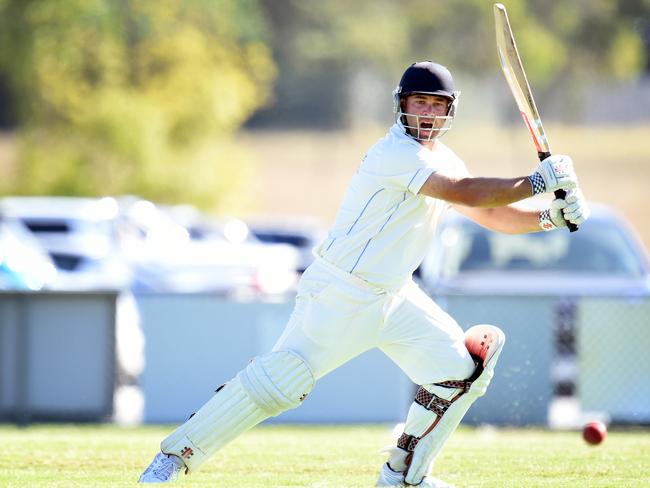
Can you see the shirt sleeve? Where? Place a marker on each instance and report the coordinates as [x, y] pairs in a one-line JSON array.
[[404, 168], [420, 176]]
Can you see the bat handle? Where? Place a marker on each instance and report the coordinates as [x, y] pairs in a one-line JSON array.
[[558, 193]]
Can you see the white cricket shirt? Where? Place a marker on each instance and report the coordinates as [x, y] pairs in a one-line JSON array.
[[383, 228]]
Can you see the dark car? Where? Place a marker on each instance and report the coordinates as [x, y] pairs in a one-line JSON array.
[[605, 257]]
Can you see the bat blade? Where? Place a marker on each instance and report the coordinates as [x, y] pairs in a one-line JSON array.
[[515, 75]]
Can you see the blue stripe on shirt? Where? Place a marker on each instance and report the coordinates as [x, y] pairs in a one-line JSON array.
[[358, 217], [408, 187], [381, 228]]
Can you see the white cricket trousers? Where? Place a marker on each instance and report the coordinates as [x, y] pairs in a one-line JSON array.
[[338, 316]]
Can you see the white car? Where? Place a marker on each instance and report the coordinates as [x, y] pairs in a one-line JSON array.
[[80, 236], [24, 264], [304, 237], [183, 251]]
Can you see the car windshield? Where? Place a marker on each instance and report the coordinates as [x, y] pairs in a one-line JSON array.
[[599, 248], [284, 238], [65, 225]]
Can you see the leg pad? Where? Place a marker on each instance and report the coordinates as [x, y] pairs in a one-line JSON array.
[[446, 410], [277, 381], [268, 386]]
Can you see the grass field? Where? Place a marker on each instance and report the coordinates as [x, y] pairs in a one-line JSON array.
[[322, 456]]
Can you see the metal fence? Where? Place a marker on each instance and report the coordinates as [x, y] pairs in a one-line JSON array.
[[57, 356], [566, 359], [613, 365], [63, 357]]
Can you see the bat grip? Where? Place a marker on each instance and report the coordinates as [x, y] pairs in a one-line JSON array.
[[558, 193]]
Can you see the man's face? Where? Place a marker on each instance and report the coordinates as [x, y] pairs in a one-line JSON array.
[[426, 112]]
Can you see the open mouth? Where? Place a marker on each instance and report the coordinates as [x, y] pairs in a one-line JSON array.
[[426, 125]]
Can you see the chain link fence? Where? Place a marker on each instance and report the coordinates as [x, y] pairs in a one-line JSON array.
[[566, 359], [612, 340]]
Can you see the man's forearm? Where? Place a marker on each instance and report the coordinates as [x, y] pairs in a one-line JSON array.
[[494, 192], [510, 219], [479, 192]]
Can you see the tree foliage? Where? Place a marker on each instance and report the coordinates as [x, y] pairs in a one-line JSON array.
[[145, 97], [123, 96], [599, 36], [562, 43]]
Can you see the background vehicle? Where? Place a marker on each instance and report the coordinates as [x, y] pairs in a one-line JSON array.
[[131, 243], [181, 250], [24, 264], [303, 236], [80, 236], [605, 258]]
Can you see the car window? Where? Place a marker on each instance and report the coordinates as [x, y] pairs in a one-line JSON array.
[[68, 226], [599, 247], [276, 238], [41, 227]]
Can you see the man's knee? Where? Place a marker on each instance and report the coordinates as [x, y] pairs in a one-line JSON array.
[[439, 407], [277, 381], [484, 343]]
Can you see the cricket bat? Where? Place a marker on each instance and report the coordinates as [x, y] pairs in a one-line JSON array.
[[515, 75]]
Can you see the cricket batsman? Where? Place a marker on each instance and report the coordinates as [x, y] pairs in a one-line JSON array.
[[359, 292]]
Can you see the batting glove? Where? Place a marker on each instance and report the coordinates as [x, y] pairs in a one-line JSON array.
[[554, 173], [573, 208]]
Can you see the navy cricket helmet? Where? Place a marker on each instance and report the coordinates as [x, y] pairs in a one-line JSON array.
[[428, 78]]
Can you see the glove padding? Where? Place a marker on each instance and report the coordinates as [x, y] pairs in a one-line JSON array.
[[573, 207], [554, 173]]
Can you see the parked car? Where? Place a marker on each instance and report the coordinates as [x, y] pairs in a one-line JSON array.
[[80, 236], [24, 264], [181, 250], [604, 257], [300, 235]]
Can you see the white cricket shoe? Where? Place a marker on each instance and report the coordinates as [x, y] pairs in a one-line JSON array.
[[388, 477], [163, 469]]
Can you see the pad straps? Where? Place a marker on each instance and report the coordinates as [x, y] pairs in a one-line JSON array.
[[435, 404], [432, 402], [407, 442], [438, 405]]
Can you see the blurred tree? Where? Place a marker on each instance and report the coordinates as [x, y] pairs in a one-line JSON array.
[[124, 96], [319, 45], [7, 116]]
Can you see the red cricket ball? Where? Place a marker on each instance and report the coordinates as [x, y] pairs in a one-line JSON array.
[[594, 432]]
